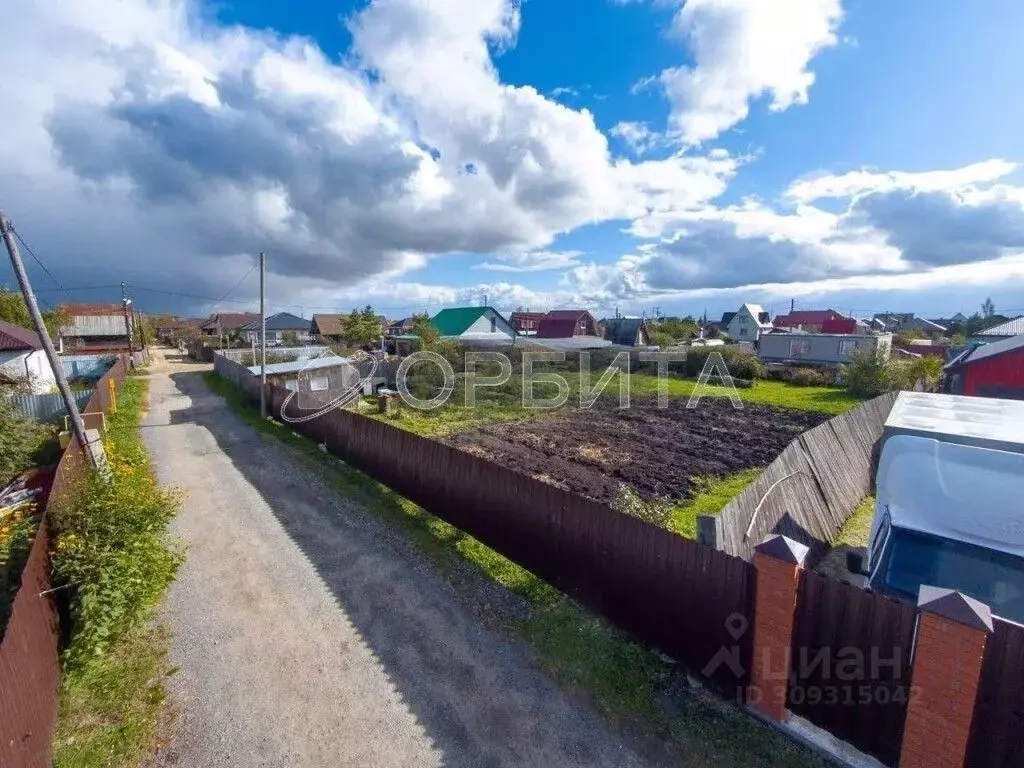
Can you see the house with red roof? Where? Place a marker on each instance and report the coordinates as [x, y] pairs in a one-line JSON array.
[[526, 323], [567, 323], [810, 320], [23, 361]]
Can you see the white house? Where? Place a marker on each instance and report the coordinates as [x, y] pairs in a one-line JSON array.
[[748, 323], [473, 324], [22, 358]]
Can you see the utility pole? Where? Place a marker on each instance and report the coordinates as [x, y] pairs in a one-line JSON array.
[[792, 305], [127, 324], [77, 425], [263, 335]]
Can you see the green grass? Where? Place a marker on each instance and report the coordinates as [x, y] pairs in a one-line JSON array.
[[625, 682], [112, 550], [713, 493], [830, 400], [857, 528]]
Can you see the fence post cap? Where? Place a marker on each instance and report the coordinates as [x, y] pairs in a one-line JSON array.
[[955, 606], [783, 548]]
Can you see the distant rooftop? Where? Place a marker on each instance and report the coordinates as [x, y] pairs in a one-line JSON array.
[[297, 366]]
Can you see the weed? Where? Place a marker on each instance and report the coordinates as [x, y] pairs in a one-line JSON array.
[[711, 494]]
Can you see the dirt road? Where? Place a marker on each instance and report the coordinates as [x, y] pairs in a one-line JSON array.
[[307, 636]]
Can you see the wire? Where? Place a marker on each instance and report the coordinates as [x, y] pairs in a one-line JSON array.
[[36, 258], [235, 286]]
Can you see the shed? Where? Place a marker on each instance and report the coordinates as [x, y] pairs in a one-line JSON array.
[[989, 370], [626, 331]]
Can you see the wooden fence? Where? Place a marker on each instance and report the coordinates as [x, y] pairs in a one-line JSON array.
[[851, 665], [686, 599], [29, 659], [810, 490], [997, 736]]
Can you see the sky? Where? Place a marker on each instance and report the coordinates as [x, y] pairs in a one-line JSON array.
[[646, 156]]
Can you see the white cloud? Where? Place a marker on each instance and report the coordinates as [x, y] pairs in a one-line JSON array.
[[531, 261], [176, 145], [742, 51], [638, 136]]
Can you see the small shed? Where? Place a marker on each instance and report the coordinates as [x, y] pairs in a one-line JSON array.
[[989, 370]]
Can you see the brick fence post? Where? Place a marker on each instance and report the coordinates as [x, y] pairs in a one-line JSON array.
[[778, 561], [952, 632]]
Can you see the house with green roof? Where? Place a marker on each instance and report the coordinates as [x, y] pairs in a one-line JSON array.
[[473, 324]]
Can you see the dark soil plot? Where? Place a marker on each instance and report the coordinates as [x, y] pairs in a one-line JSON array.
[[656, 451]]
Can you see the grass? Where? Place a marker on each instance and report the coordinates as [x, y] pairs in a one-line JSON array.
[[857, 528], [112, 550], [713, 493], [624, 681]]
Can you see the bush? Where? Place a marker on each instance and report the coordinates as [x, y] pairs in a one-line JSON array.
[[656, 512], [21, 441], [741, 363], [868, 374], [249, 359], [808, 377]]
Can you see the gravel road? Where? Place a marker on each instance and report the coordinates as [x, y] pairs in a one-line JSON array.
[[308, 635]]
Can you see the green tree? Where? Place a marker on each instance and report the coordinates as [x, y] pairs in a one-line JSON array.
[[290, 339], [426, 330], [362, 326], [868, 373], [14, 310], [988, 308]]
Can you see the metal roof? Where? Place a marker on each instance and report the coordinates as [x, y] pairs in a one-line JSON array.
[[456, 320], [1010, 328], [297, 366], [991, 350], [13, 337], [282, 321], [973, 420]]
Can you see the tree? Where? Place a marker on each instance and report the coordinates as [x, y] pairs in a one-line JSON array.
[[361, 326], [422, 327], [290, 339], [14, 310], [868, 373], [988, 308], [908, 335], [662, 338]]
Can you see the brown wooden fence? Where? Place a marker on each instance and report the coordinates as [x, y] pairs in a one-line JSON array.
[[686, 599], [851, 665], [29, 660], [810, 490], [997, 735]]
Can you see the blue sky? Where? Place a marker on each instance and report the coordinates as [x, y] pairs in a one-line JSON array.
[[624, 153]]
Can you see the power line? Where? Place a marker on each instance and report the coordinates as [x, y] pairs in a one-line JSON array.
[[34, 257], [235, 286]]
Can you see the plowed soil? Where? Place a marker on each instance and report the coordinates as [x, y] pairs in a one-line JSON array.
[[656, 451]]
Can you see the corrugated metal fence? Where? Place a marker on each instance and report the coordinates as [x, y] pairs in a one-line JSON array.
[[810, 490], [29, 662], [47, 407], [690, 601], [86, 366]]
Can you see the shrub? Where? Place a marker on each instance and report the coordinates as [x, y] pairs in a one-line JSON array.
[[741, 363], [249, 359], [21, 440], [868, 374], [808, 377]]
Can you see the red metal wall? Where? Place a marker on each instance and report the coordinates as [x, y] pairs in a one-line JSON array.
[[1003, 371]]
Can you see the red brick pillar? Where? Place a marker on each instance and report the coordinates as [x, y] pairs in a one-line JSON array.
[[778, 561], [952, 632]]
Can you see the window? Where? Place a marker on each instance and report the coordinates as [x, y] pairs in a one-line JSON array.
[[319, 384], [743, 331], [292, 384], [799, 347], [494, 325], [847, 347]]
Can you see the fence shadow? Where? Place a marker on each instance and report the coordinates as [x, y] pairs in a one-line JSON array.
[[446, 665]]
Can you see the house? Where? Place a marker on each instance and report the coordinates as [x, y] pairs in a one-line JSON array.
[[1007, 330], [989, 370], [167, 328], [95, 326], [819, 349], [906, 321], [526, 323], [811, 320], [567, 323], [328, 329], [23, 359], [473, 324], [402, 327], [748, 323], [839, 326], [227, 323], [626, 331], [279, 326], [945, 322]]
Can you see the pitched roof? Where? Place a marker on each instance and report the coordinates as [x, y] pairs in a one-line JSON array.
[[1010, 328], [282, 321], [14, 337], [77, 309], [455, 321], [805, 317], [727, 317], [757, 312], [561, 323], [623, 330], [839, 325], [230, 320], [984, 351], [330, 325]]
